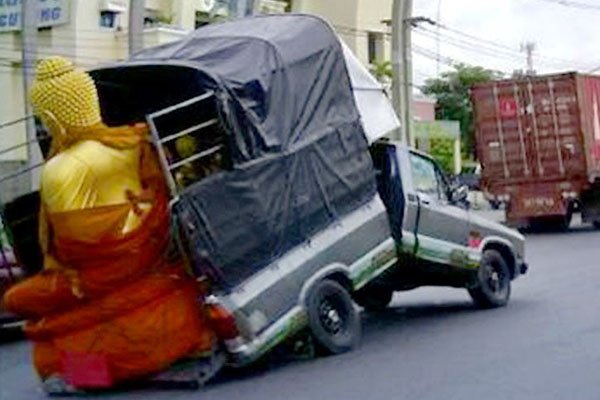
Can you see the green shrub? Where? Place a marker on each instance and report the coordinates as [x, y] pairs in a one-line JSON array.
[[442, 150]]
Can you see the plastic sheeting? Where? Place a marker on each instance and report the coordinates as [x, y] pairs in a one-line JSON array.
[[376, 112], [299, 150]]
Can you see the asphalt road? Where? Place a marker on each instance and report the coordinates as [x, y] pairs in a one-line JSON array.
[[432, 344]]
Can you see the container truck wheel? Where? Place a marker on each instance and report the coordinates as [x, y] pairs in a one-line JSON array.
[[333, 320], [562, 223], [493, 281]]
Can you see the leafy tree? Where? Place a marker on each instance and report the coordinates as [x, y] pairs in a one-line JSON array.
[[442, 150], [451, 89], [382, 71]]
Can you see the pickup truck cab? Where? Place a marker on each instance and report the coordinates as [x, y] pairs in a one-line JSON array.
[[440, 242]]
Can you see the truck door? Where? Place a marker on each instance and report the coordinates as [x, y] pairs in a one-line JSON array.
[[443, 229], [389, 186]]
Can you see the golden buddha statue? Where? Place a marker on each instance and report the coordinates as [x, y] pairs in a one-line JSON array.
[[109, 298], [81, 173]]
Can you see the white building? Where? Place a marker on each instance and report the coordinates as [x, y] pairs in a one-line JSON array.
[[91, 32]]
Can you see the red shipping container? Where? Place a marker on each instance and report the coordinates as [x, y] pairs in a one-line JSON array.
[[538, 141]]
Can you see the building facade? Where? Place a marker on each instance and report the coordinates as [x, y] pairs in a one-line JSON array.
[[92, 32]]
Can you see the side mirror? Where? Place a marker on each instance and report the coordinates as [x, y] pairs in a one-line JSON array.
[[459, 196]]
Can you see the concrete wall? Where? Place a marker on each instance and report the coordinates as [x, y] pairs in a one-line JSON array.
[[371, 14], [342, 14], [353, 20], [424, 110]]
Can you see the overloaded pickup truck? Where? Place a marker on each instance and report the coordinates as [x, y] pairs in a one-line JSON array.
[[286, 198]]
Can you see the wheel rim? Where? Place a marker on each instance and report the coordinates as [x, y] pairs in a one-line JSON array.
[[331, 316], [495, 279]]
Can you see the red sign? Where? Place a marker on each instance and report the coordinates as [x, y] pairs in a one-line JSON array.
[[86, 370], [508, 107]]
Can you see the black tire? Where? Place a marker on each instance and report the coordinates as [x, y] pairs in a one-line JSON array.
[[551, 224], [493, 281], [564, 223], [333, 320], [374, 298], [596, 224]]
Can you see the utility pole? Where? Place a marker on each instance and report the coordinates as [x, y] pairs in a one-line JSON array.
[[528, 48], [397, 64], [437, 39], [402, 67], [408, 74], [136, 26], [29, 18], [243, 8]]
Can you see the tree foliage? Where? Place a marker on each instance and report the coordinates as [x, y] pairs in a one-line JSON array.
[[451, 89], [382, 71], [442, 150]]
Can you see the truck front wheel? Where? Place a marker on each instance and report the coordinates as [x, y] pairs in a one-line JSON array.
[[493, 281], [333, 320]]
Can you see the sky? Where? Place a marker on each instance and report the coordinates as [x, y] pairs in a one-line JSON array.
[[490, 33]]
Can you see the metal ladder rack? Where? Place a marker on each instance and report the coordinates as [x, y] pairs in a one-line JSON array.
[[164, 140]]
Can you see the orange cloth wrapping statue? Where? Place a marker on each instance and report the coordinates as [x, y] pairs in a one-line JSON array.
[[108, 292]]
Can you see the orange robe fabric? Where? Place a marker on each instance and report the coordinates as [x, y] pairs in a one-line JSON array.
[[113, 296]]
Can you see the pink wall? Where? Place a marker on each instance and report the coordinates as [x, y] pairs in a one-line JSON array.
[[424, 110]]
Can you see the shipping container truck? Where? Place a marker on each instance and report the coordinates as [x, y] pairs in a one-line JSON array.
[[538, 140]]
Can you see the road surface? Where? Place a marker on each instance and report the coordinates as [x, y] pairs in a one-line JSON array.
[[432, 344]]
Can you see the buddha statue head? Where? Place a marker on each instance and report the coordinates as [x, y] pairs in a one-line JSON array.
[[64, 97]]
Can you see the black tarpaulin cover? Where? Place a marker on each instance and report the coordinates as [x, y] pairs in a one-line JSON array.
[[300, 154]]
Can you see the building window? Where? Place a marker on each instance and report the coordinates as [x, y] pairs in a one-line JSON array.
[[375, 43], [272, 6], [108, 19]]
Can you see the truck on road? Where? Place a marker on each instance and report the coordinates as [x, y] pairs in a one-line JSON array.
[[284, 195], [538, 140]]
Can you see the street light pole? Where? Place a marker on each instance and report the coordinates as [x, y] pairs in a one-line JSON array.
[[397, 42], [243, 8], [402, 67], [29, 18], [407, 74], [136, 26]]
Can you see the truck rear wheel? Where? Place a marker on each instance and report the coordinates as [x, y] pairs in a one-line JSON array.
[[333, 320], [493, 281]]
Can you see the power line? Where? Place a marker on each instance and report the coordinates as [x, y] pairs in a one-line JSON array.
[[501, 46], [493, 49], [456, 42], [574, 4], [473, 43]]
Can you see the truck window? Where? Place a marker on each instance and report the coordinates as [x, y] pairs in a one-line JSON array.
[[425, 177]]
